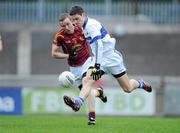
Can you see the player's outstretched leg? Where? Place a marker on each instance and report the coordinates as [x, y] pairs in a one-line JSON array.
[[102, 95], [71, 103], [92, 120], [146, 86]]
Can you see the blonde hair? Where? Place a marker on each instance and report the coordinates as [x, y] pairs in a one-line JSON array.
[[64, 16]]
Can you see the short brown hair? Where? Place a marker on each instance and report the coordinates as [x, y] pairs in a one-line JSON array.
[[63, 16], [76, 10]]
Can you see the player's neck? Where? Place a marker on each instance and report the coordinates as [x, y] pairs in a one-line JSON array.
[[85, 19]]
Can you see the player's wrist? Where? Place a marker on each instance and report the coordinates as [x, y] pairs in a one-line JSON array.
[[97, 65]]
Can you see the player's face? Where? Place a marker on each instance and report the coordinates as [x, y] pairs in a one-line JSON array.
[[78, 19], [67, 26]]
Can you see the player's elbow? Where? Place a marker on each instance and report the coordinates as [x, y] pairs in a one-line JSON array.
[[53, 55]]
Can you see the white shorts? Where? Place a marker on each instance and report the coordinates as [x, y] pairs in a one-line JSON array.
[[79, 71], [113, 63]]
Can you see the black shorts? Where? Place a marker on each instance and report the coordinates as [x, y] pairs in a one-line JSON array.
[[119, 75]]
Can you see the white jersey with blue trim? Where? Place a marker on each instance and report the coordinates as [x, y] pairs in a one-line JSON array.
[[96, 34]]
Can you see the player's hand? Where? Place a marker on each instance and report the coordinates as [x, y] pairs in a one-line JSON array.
[[73, 55], [96, 72]]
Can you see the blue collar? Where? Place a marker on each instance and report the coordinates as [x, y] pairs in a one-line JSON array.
[[85, 22]]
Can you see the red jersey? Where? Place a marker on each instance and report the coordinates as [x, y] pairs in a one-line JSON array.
[[75, 41]]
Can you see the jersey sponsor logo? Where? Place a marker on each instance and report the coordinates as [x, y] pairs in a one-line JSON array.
[[67, 41], [77, 47]]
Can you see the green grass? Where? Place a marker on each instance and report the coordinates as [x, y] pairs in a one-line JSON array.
[[78, 124]]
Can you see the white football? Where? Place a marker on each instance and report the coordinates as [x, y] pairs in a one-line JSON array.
[[66, 79]]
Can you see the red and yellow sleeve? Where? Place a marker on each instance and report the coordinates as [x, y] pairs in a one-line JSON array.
[[58, 39]]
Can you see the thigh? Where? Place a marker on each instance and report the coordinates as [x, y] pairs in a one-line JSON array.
[[77, 73], [89, 63], [114, 63]]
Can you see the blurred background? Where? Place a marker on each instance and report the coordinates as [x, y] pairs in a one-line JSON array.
[[147, 33]]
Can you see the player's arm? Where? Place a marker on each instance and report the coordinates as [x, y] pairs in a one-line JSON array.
[[96, 43], [97, 49], [56, 53]]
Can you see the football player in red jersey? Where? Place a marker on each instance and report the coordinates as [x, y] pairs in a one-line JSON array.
[[77, 52]]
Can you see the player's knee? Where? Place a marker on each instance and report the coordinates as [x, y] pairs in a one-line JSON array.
[[127, 89], [87, 80]]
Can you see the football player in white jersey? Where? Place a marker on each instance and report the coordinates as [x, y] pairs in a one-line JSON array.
[[107, 58]]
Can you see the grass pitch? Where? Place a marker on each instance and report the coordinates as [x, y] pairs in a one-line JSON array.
[[78, 124]]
